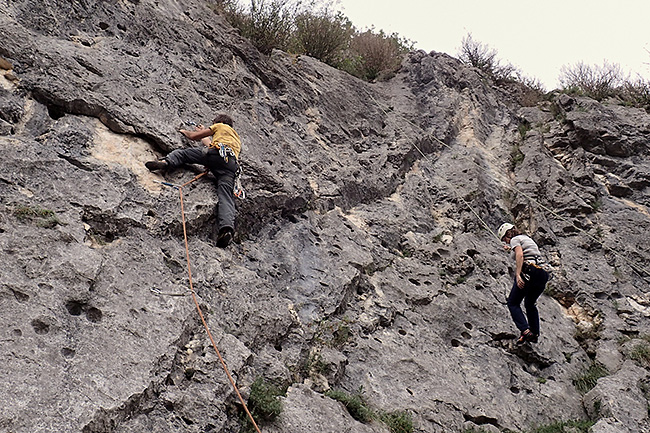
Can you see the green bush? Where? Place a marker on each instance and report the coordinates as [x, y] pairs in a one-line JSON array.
[[516, 156], [314, 364], [523, 129], [323, 35], [587, 381], [398, 421], [333, 333], [263, 403]]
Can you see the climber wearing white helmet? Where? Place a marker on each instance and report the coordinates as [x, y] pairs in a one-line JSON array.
[[529, 284]]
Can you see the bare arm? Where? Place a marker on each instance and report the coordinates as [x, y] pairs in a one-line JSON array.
[[519, 260], [197, 134]]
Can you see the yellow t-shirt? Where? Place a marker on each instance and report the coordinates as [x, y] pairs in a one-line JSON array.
[[222, 133]]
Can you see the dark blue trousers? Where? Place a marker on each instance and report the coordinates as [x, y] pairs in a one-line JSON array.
[[224, 173], [532, 290]]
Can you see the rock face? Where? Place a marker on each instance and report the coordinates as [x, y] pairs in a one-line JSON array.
[[364, 257]]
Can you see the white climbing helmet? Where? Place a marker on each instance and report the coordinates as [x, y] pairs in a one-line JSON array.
[[504, 229]]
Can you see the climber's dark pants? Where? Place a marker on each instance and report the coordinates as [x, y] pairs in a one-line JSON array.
[[529, 294], [224, 173]]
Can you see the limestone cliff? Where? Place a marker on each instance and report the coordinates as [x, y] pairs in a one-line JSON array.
[[364, 256]]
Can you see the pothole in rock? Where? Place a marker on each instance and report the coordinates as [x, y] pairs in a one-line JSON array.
[[40, 326], [68, 353], [77, 308]]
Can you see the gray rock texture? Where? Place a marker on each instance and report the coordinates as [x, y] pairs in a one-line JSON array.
[[365, 257]]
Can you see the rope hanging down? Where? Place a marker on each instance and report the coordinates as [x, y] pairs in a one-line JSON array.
[[196, 302], [639, 271]]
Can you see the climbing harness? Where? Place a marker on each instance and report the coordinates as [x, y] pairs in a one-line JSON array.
[[639, 271], [225, 152], [196, 302]]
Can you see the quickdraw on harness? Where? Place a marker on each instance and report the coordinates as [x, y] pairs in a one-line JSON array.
[[225, 152], [238, 190]]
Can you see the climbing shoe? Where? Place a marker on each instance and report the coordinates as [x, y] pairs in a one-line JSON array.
[[532, 338], [225, 237], [527, 337], [156, 165]]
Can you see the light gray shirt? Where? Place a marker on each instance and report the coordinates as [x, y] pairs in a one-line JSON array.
[[528, 246]]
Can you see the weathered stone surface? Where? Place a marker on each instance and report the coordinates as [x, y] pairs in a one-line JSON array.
[[363, 259], [620, 397], [610, 425], [306, 411]]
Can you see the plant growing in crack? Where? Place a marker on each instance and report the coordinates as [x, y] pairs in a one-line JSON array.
[[264, 404], [45, 218], [587, 380], [356, 404]]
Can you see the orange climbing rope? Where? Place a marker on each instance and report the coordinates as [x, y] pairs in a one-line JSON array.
[[198, 307]]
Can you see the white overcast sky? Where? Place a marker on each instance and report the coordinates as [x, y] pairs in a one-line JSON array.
[[537, 37]]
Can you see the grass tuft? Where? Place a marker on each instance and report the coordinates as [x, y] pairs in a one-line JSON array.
[[41, 217], [354, 403], [588, 380]]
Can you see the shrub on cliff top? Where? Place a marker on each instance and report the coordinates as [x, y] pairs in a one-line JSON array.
[[483, 57], [323, 35], [528, 91], [374, 53], [597, 82], [313, 29], [637, 93], [606, 81], [268, 24]]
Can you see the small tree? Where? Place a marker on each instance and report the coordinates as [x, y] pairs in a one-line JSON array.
[[483, 57], [476, 54]]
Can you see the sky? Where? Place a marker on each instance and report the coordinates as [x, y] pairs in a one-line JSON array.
[[538, 38]]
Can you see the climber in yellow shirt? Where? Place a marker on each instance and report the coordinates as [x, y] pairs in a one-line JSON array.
[[220, 155]]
